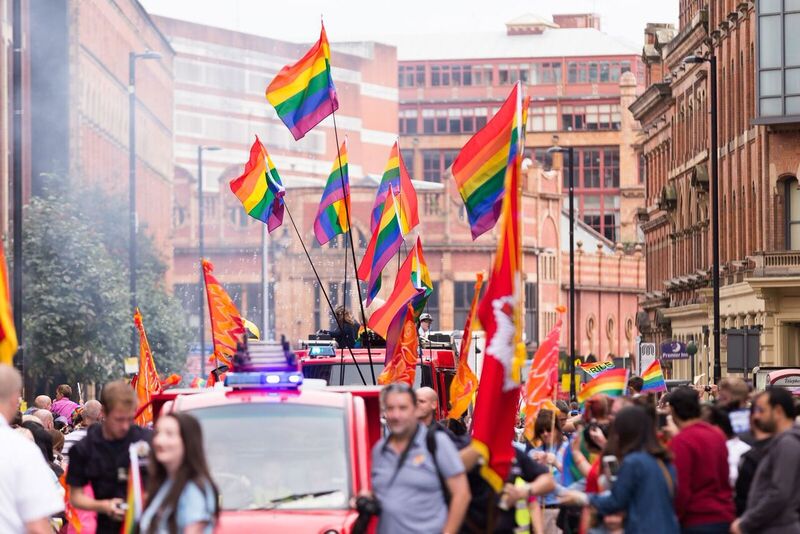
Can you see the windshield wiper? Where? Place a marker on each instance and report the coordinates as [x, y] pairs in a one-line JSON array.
[[274, 503]]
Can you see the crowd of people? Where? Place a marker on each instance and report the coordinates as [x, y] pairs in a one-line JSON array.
[[696, 460], [62, 453]]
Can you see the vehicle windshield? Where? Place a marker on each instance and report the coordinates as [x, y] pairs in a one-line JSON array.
[[277, 456]]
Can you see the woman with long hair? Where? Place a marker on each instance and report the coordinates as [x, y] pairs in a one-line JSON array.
[[182, 497], [644, 485]]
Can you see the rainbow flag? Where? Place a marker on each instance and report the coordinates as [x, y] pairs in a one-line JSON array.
[[383, 245], [260, 189], [303, 94], [397, 180], [134, 498], [332, 213], [421, 278], [8, 333], [404, 291], [654, 378], [480, 168], [613, 383]]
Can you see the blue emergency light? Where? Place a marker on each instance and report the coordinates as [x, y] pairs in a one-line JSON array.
[[266, 365], [321, 351]]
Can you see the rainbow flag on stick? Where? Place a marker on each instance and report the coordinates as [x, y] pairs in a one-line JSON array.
[[335, 203], [653, 378], [404, 292], [303, 94], [134, 498], [613, 383], [480, 168], [260, 189], [384, 244], [421, 279], [397, 180]]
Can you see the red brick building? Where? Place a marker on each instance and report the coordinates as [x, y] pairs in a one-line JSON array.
[[759, 156], [219, 101], [76, 91]]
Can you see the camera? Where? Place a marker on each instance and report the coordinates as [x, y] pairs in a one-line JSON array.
[[707, 389], [367, 508]]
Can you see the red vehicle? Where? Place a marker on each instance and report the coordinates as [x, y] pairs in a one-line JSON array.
[[436, 368], [287, 457]]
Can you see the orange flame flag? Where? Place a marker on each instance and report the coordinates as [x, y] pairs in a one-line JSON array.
[[227, 325], [147, 381], [403, 365], [465, 383], [8, 334], [543, 376]]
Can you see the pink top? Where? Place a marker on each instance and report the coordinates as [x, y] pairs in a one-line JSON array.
[[64, 407]]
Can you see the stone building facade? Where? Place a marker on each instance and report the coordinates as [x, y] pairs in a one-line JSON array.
[[758, 154]]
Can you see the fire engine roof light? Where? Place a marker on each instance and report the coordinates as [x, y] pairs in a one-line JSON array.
[[265, 365]]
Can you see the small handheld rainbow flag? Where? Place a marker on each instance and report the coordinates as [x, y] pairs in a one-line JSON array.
[[332, 213], [260, 189], [421, 279], [612, 383], [303, 94], [654, 378]]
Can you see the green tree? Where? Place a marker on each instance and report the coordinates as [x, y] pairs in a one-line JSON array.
[[77, 320]]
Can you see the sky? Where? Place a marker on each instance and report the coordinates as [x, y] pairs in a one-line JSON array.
[[348, 20]]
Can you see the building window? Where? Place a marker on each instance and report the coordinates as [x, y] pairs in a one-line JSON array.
[[408, 121], [435, 163], [428, 121], [543, 119], [531, 312], [596, 71], [482, 75], [432, 306], [792, 196], [591, 117], [462, 299], [411, 75], [778, 58], [596, 199]]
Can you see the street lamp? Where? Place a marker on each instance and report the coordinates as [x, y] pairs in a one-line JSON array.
[[570, 153], [201, 250], [132, 57], [712, 61]]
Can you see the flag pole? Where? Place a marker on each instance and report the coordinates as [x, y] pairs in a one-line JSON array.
[[352, 246], [322, 287]]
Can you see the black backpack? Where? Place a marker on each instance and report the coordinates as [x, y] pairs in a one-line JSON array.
[[430, 444]]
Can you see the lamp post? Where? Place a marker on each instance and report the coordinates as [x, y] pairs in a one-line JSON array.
[[712, 64], [201, 251], [132, 57], [570, 153]]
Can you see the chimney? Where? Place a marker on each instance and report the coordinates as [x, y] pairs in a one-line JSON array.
[[578, 20]]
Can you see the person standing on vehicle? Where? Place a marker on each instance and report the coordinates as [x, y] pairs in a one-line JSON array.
[[102, 458], [412, 485], [28, 498], [182, 496], [425, 321]]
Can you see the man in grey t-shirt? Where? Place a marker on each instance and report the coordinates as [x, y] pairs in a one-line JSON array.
[[404, 475]]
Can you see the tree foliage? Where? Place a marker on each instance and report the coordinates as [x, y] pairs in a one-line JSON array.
[[76, 310]]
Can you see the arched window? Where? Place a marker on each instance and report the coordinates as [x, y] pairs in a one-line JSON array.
[[792, 196]]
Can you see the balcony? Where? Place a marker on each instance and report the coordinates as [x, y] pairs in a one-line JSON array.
[[783, 263]]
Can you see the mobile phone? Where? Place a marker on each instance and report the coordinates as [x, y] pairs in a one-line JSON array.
[[123, 507], [611, 466]]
